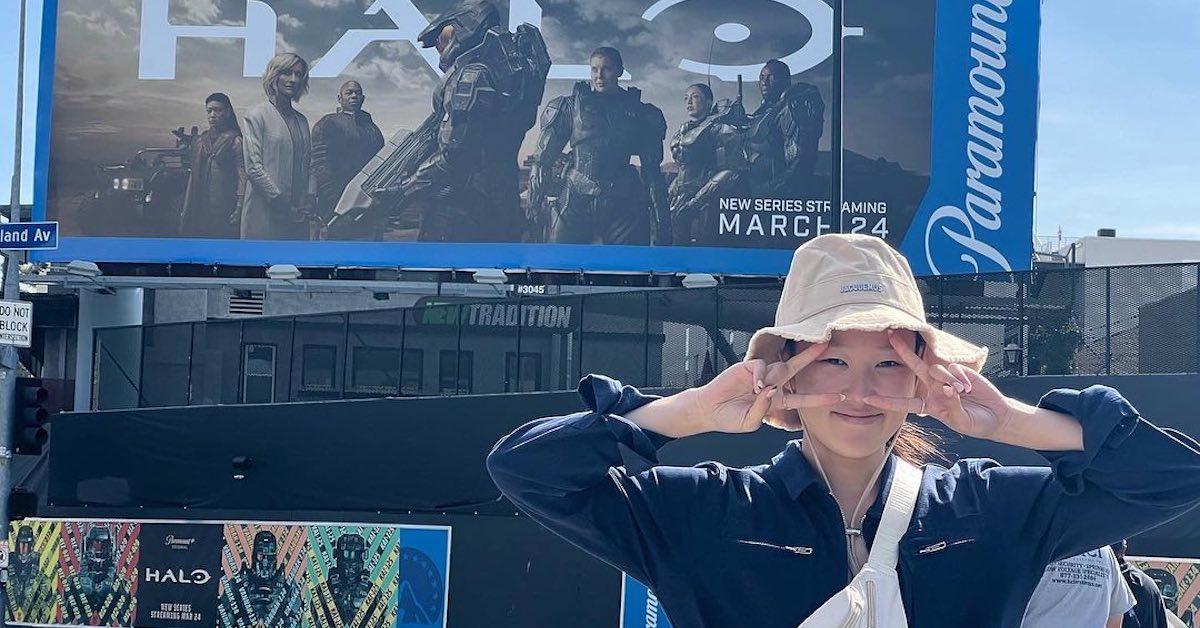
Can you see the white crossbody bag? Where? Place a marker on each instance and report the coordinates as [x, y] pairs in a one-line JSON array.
[[872, 599]]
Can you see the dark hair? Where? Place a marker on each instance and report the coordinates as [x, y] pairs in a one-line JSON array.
[[703, 89], [777, 65], [224, 100], [610, 53]]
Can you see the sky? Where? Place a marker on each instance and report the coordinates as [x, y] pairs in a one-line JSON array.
[[10, 20], [1118, 136]]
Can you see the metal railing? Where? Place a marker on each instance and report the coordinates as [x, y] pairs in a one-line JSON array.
[[1120, 320]]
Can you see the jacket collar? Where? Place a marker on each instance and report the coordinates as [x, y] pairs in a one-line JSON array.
[[798, 475]]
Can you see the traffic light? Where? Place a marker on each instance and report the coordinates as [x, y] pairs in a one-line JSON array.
[[29, 418]]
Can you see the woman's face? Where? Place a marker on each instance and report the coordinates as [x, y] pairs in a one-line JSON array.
[[288, 82], [696, 103], [217, 114], [857, 364]]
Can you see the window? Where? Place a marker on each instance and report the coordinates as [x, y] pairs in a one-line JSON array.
[[375, 370], [448, 370], [258, 373], [318, 367], [412, 372], [530, 372]]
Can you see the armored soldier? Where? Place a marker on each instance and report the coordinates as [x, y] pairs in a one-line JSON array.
[[261, 593], [96, 593], [708, 149], [783, 134], [603, 199], [349, 582], [24, 567], [459, 168], [30, 592]]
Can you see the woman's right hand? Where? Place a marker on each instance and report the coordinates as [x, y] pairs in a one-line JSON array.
[[740, 397]]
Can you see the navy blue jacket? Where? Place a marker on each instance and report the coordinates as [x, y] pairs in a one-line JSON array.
[[764, 546]]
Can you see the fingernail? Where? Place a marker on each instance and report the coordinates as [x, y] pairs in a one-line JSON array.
[[842, 397], [758, 386], [959, 387]]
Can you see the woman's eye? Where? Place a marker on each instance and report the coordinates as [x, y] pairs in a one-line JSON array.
[[834, 361], [889, 364]]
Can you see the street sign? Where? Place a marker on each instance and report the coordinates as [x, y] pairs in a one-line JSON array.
[[29, 235], [16, 323]]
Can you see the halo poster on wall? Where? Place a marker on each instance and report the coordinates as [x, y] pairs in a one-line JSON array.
[[229, 574]]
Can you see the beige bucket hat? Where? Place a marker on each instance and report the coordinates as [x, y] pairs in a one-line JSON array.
[[850, 281]]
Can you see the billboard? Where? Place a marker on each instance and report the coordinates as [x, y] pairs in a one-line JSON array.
[[227, 574], [629, 135]]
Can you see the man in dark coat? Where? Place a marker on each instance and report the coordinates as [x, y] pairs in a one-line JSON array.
[[342, 143]]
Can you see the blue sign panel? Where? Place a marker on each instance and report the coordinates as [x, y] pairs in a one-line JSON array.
[[423, 594], [28, 235], [977, 215], [640, 607]]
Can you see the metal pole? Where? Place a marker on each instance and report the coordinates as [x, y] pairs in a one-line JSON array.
[[1108, 321], [516, 386], [835, 120], [8, 353], [646, 343], [1022, 287]]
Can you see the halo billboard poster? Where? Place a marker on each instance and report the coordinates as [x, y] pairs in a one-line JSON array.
[[668, 135]]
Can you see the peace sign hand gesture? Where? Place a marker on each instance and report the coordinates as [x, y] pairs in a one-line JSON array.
[[958, 396], [737, 400]]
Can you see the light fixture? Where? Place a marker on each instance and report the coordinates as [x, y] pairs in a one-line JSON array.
[[699, 280], [81, 268], [284, 272], [490, 276], [1012, 356]]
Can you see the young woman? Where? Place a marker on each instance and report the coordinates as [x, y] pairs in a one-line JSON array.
[[213, 201], [850, 356]]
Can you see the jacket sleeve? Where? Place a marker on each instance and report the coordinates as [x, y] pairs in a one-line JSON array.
[[1130, 476], [253, 136], [567, 474], [325, 136]]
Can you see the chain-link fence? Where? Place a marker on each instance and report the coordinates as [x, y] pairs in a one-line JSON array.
[[1123, 320]]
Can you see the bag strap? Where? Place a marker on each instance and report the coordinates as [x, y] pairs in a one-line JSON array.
[[897, 513]]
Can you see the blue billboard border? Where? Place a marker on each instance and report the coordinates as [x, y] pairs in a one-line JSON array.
[[45, 107], [596, 258], [566, 257]]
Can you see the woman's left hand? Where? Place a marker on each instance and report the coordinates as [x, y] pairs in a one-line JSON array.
[[956, 395]]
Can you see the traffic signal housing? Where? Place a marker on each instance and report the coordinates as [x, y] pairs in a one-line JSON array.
[[30, 415]]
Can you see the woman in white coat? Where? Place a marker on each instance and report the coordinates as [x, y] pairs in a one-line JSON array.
[[278, 148]]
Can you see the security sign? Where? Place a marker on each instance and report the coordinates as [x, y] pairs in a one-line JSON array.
[[16, 323]]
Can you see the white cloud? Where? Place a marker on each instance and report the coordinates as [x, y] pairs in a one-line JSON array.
[[290, 21]]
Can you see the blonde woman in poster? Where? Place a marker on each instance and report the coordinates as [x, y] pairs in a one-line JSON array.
[[278, 149]]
